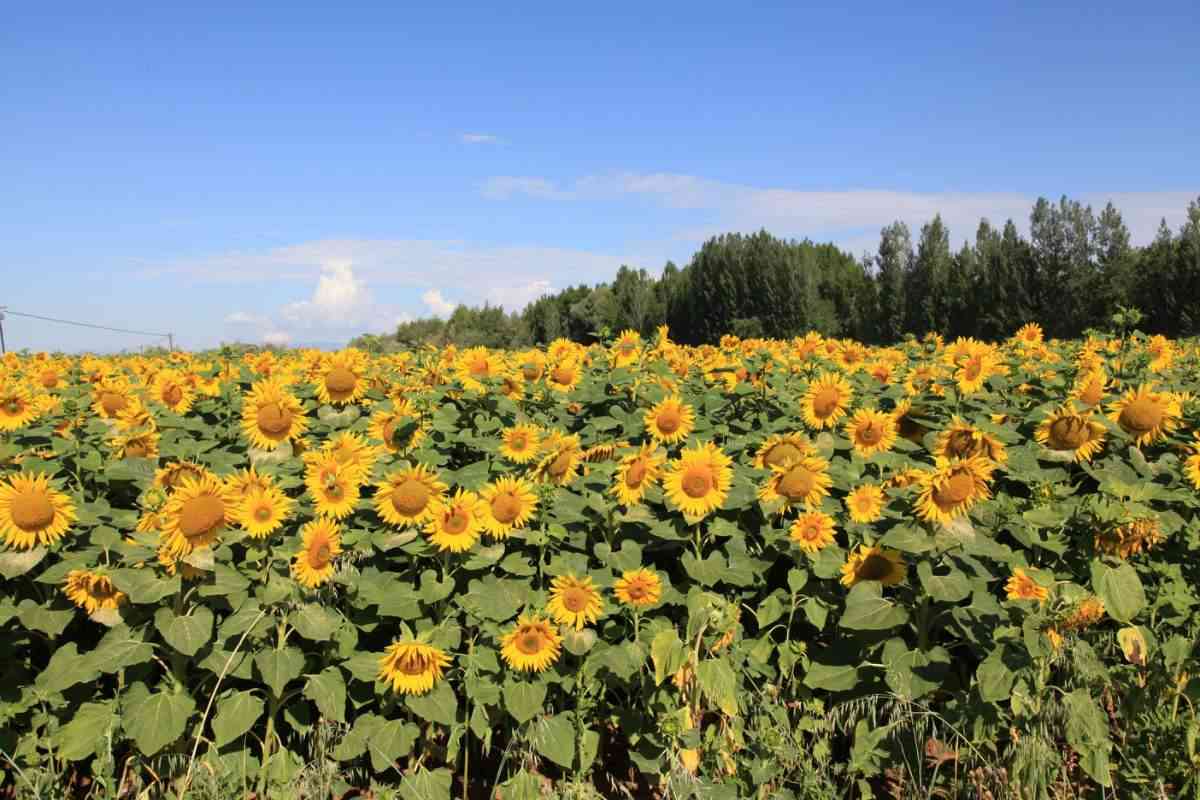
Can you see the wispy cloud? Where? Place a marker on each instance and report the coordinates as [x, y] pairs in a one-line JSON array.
[[438, 305], [504, 187], [478, 138]]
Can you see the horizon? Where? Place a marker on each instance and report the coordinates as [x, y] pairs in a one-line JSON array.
[[283, 175]]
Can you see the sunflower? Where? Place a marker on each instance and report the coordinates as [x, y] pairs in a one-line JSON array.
[[195, 515], [172, 390], [455, 523], [638, 588], [1191, 468], [409, 496], [974, 371], [865, 503], [271, 415], [1022, 586], [565, 376], [110, 396], [826, 401], [871, 432], [478, 364], [334, 487], [1090, 388], [400, 429], [175, 473], [1145, 415], [698, 482], [782, 450], [412, 667], [140, 444], [320, 544], [873, 564], [17, 406], [532, 364], [574, 601], [351, 450], [32, 512], [520, 443], [812, 531], [963, 440], [509, 504], [533, 644], [908, 425], [1029, 334], [670, 420], [637, 473], [1129, 538], [92, 591], [807, 481], [561, 463], [262, 511], [342, 378], [1066, 430], [627, 348], [952, 488], [1089, 611]]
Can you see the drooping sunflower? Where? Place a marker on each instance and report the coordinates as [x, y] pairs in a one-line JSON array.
[[804, 482], [320, 544], [520, 443], [574, 601], [638, 588], [908, 426], [271, 415], [136, 444], [18, 407], [670, 420], [698, 481], [812, 531], [456, 522], [196, 514], [342, 378], [409, 496], [961, 440], [33, 512], [637, 473], [827, 400], [175, 473], [1022, 586], [533, 645], [1129, 538], [782, 450], [334, 487], [865, 503], [401, 429], [871, 432], [560, 464], [952, 488], [1146, 415], [509, 504], [92, 591], [1066, 430], [262, 511], [873, 563], [412, 667]]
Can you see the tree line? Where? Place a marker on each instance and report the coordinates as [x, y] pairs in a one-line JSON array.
[[1073, 271]]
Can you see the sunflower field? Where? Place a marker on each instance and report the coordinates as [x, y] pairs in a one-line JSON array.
[[764, 569]]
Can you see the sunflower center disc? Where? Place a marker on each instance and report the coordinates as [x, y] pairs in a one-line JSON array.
[[49, 379], [825, 401], [136, 448], [13, 407], [531, 371], [274, 419], [575, 600], [559, 466], [1141, 416], [955, 490], [506, 507], [1068, 433], [635, 474], [637, 591], [410, 497], [960, 444], [870, 434], [668, 420], [32, 511], [782, 455], [697, 483], [796, 483], [320, 556], [200, 515], [480, 368], [457, 522], [874, 568], [413, 665], [530, 643], [519, 442], [173, 395], [340, 380], [112, 402], [563, 375]]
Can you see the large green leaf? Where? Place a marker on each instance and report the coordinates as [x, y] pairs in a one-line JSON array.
[[236, 714], [314, 622], [719, 683], [831, 677], [157, 719], [279, 667], [1120, 589], [328, 690], [187, 633], [65, 669], [439, 704], [868, 610], [554, 738], [524, 699], [88, 729]]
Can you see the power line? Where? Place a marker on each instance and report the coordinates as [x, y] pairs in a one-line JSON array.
[[168, 336]]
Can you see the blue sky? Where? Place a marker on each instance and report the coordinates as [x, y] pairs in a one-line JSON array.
[[296, 172]]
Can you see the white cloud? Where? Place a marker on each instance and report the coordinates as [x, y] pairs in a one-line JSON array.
[[278, 338], [515, 298], [339, 297], [242, 318], [504, 187], [440, 306], [478, 138]]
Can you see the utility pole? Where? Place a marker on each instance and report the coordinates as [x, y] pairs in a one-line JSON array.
[[3, 349], [171, 342]]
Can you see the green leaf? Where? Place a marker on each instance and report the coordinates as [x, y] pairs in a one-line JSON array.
[[719, 683], [1120, 589], [120, 648], [314, 622], [236, 714], [868, 610], [88, 729], [524, 699], [432, 589], [186, 633], [427, 784], [17, 562], [994, 677], [440, 704], [279, 667], [831, 677], [912, 673], [389, 741], [144, 585], [64, 670], [50, 621], [328, 690], [554, 738], [668, 654], [1087, 733], [709, 571], [949, 588], [156, 720]]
